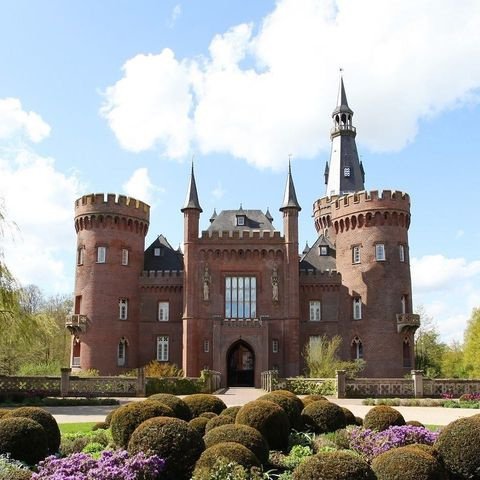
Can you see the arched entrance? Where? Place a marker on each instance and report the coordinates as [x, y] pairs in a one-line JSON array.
[[240, 365]]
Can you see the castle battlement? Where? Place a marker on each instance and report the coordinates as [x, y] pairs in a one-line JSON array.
[[161, 273], [387, 196], [111, 203], [241, 235]]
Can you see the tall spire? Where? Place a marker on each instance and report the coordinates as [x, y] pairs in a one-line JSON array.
[[191, 200], [290, 197], [344, 172]]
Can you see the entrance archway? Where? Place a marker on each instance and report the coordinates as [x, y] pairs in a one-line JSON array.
[[240, 365]]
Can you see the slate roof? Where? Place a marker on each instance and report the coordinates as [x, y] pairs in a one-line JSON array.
[[290, 196], [191, 200], [169, 258], [226, 220], [312, 260]]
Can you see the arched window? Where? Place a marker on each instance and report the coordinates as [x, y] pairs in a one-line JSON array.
[[122, 352], [407, 357], [357, 349]]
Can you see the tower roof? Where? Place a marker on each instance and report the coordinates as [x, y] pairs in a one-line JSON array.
[[342, 103], [191, 200], [290, 197]]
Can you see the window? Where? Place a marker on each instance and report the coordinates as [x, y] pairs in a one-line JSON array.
[[380, 252], [357, 308], [122, 352], [403, 302], [163, 308], [240, 220], [274, 346], [315, 310], [356, 254], [123, 308], [80, 255], [240, 297], [407, 356], [206, 346], [346, 172], [323, 250], [124, 256], [162, 348], [357, 349], [401, 252], [314, 340], [101, 254], [157, 252]]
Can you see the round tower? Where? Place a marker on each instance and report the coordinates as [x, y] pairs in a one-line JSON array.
[[110, 249], [371, 238]]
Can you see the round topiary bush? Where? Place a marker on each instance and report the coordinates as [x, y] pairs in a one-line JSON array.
[[108, 418], [381, 417], [269, 419], [407, 463], [247, 436], [128, 417], [204, 402], [24, 439], [292, 405], [100, 426], [334, 466], [459, 447], [3, 411], [231, 411], [312, 398], [172, 439], [415, 423], [45, 419], [231, 451], [323, 417], [199, 424], [349, 416], [208, 415], [218, 421], [179, 407]]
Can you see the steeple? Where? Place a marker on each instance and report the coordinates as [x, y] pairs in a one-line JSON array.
[[191, 200], [344, 172], [290, 197]]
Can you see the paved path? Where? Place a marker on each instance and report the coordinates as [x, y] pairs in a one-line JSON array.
[[240, 396]]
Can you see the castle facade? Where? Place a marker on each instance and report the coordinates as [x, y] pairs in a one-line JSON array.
[[240, 299]]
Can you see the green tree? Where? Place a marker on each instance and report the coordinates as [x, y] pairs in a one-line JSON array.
[[452, 361], [429, 350], [472, 345], [322, 358]]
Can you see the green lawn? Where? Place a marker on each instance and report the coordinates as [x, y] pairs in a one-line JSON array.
[[76, 427]]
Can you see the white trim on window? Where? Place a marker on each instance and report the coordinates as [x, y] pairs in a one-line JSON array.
[[356, 258], [123, 308], [275, 346], [101, 254], [80, 255], [315, 310], [163, 311], [122, 352], [206, 346], [125, 256], [357, 308], [162, 348], [401, 253], [380, 252]]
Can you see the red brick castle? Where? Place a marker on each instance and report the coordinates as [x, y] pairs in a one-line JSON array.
[[240, 299]]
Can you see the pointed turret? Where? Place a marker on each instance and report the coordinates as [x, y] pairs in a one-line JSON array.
[[191, 200], [214, 215], [290, 197], [269, 215], [344, 172]]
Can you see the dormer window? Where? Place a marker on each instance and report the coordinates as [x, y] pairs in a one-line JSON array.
[[240, 220], [323, 250], [158, 252], [346, 172]]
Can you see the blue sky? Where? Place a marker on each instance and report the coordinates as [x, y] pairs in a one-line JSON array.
[[117, 96]]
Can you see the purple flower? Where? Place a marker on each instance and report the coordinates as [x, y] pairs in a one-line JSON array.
[[112, 465], [370, 443]]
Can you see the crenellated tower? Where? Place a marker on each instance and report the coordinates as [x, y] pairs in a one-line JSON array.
[[110, 243], [370, 233]]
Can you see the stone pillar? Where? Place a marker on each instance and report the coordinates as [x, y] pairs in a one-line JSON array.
[[141, 384], [65, 381], [341, 383], [417, 376]]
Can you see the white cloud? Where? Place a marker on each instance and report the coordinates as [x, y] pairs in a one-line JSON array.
[[176, 12], [150, 105], [260, 97], [218, 192], [16, 121], [39, 199], [448, 288], [140, 186]]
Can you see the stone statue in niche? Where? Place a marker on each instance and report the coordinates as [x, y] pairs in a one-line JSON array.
[[206, 284], [275, 285]]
